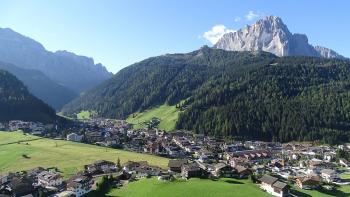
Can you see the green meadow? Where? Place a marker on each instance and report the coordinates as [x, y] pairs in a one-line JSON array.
[[167, 115], [85, 115], [68, 157], [193, 187]]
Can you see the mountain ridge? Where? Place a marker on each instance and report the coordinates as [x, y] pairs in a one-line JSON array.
[[270, 34], [76, 72], [245, 95], [41, 86], [16, 103]]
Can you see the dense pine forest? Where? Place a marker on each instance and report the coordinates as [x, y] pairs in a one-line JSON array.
[[16, 103], [291, 99], [247, 95]]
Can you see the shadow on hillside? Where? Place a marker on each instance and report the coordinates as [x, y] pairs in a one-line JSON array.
[[300, 194], [334, 192]]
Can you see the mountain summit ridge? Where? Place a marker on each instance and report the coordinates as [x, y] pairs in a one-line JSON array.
[[270, 34], [76, 72]]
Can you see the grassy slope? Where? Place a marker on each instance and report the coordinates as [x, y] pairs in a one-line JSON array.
[[85, 115], [193, 187], [69, 157], [168, 116], [63, 116]]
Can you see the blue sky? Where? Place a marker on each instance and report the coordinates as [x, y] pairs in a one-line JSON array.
[[118, 33]]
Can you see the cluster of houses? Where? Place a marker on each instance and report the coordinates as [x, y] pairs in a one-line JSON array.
[[50, 182], [35, 128], [46, 181], [308, 166], [103, 132], [194, 155]]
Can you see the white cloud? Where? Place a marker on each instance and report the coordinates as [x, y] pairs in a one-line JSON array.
[[216, 33], [252, 15], [237, 19]]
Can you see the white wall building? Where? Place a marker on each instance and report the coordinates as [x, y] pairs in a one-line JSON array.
[[74, 137]]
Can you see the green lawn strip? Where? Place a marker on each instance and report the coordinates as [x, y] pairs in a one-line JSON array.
[[345, 175]]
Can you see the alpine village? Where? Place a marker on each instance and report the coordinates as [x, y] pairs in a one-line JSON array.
[[260, 113]]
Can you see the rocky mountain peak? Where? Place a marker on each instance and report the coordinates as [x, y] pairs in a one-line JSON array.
[[270, 34], [271, 24]]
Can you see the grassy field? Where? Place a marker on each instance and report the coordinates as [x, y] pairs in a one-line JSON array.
[[341, 191], [193, 187], [168, 116], [69, 157], [345, 176], [208, 188], [85, 115], [6, 138]]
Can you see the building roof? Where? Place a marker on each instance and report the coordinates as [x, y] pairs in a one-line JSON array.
[[308, 179], [327, 171], [191, 167], [64, 194], [133, 164], [268, 179], [21, 185], [48, 175], [176, 163], [103, 162], [279, 185], [77, 180], [219, 166], [240, 168]]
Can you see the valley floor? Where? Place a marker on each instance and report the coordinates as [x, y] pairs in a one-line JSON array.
[[68, 157], [208, 188], [193, 187]]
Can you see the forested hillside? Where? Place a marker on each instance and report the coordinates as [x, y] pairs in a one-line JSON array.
[[16, 103], [41, 86], [247, 95], [292, 99], [162, 79]]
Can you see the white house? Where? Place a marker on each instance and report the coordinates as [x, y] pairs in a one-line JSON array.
[[329, 175], [74, 137], [274, 187], [80, 185]]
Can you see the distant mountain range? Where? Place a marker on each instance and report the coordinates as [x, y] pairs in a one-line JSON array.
[[41, 86], [270, 34], [78, 73], [245, 95], [257, 83], [16, 103]]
